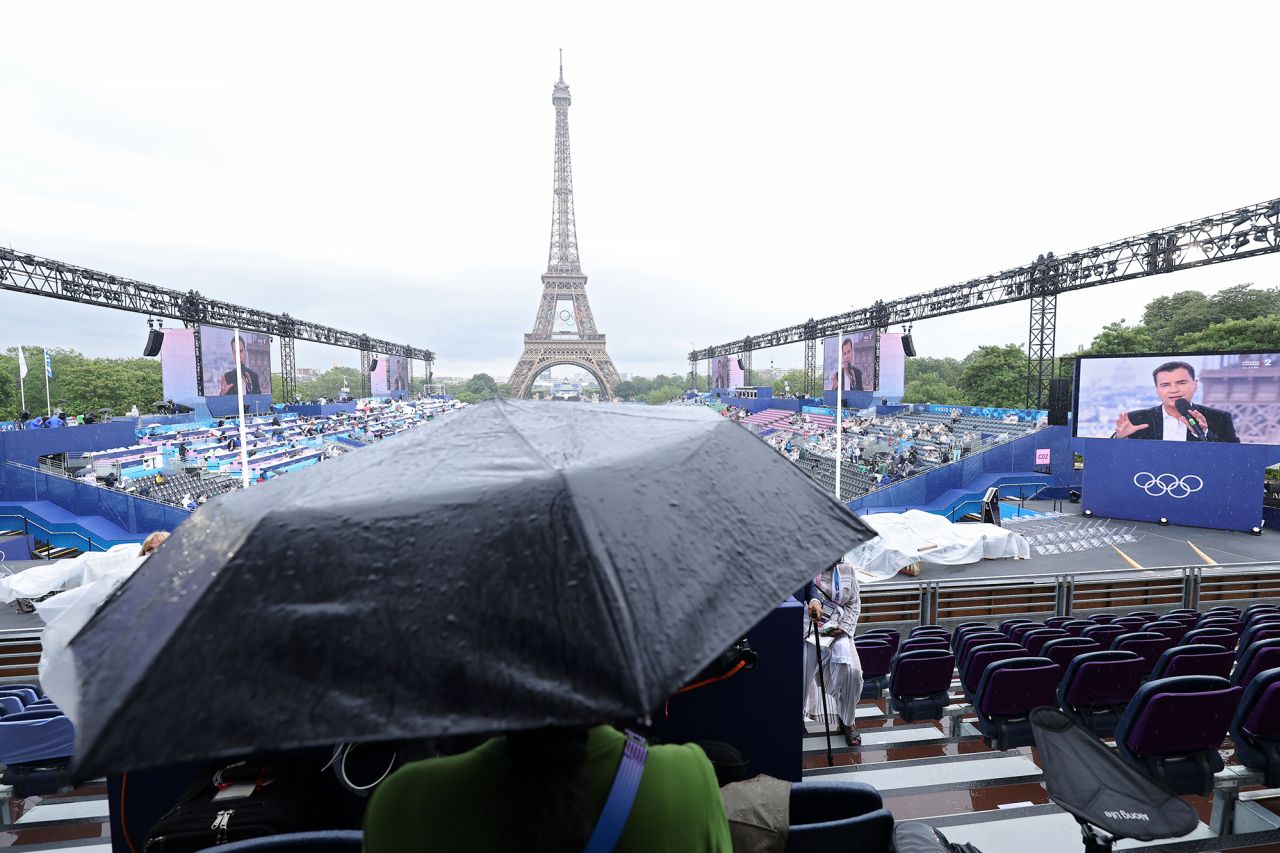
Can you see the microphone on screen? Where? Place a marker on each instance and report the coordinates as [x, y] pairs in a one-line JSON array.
[[1184, 409]]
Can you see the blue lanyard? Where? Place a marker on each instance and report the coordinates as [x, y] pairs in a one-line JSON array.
[[617, 806]]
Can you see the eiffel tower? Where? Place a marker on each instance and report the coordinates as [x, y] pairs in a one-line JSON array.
[[564, 332]]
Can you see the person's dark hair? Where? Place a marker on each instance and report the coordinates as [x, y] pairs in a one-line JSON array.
[[1169, 367], [544, 793]]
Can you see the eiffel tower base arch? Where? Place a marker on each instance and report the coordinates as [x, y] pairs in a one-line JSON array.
[[589, 356]]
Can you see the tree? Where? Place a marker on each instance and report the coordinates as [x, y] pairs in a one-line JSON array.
[[1260, 334], [1118, 339], [793, 379], [995, 376], [931, 389], [946, 370], [482, 385]]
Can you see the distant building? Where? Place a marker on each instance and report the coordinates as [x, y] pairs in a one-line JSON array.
[[306, 374]]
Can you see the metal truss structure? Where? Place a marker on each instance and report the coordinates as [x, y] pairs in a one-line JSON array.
[[564, 284], [23, 273], [1234, 235]]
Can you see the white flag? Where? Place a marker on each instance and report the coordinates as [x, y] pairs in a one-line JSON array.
[[22, 364]]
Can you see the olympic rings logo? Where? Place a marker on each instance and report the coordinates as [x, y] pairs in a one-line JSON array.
[[1167, 484]]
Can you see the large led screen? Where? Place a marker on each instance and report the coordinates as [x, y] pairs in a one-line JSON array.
[[398, 373], [178, 366], [1221, 397], [378, 378], [891, 377], [218, 357], [858, 352], [720, 371]]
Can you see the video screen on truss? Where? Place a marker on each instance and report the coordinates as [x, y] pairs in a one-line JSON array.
[[1217, 397], [858, 352], [891, 376], [720, 372], [397, 373], [218, 358], [378, 378]]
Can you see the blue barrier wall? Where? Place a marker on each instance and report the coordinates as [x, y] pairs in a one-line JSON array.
[[1031, 415], [850, 399], [316, 410], [163, 420], [1190, 483], [28, 445], [132, 514], [227, 406], [1012, 457]]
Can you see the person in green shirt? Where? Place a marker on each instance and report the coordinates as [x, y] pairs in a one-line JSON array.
[[543, 791]]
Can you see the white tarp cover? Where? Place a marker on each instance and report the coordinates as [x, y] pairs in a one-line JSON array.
[[911, 536]]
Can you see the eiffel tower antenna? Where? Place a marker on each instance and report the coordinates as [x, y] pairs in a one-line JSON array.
[[564, 330]]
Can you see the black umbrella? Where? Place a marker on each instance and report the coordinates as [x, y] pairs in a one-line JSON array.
[[512, 566]]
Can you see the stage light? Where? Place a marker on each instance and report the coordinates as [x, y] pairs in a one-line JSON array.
[[1088, 513], [1164, 522], [1257, 531]]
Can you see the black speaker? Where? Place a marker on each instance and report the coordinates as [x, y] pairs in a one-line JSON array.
[[373, 365], [741, 366], [908, 346], [1059, 401], [155, 340]]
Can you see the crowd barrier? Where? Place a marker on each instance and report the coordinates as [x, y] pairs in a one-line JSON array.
[[1068, 594], [27, 446], [136, 515]]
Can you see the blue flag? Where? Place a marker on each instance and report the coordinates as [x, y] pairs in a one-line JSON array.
[[48, 365]]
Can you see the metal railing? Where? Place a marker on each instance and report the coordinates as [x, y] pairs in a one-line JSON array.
[[95, 485], [1068, 594], [27, 524]]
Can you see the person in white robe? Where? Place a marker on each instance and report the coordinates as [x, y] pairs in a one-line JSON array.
[[834, 604]]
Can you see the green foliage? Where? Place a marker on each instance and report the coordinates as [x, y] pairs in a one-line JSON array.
[[794, 379], [1257, 333], [330, 383], [1168, 318], [995, 376], [932, 389], [81, 384], [946, 370], [1119, 339]]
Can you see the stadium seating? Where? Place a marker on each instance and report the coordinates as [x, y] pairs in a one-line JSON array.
[[1007, 693], [926, 642], [1260, 630], [1224, 637], [1065, 649], [1096, 687], [1173, 727], [875, 653], [889, 635], [1255, 727], [919, 683], [1262, 655], [826, 816], [1173, 630], [983, 656], [1148, 645], [1194, 659], [1103, 635], [1033, 641]]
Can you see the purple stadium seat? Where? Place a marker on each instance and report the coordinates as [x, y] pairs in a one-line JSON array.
[[1173, 630], [1130, 623], [930, 630], [1183, 611], [1173, 728], [1216, 636], [982, 657], [27, 741], [971, 628], [1017, 632], [1062, 651], [1228, 622], [1262, 655], [1147, 645], [1033, 641], [972, 641], [1203, 659], [876, 656], [1259, 617], [919, 684], [1187, 619], [1256, 632], [1103, 618], [914, 644], [1009, 624], [828, 816], [1058, 621], [888, 634], [1103, 634], [1097, 686], [1076, 627], [1008, 691], [1145, 615], [1223, 608], [1258, 608], [1255, 728]]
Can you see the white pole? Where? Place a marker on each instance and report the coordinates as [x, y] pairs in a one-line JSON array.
[[244, 447], [839, 403], [22, 379], [48, 405]]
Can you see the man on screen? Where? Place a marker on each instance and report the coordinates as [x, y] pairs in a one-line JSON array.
[[251, 385], [1175, 383], [852, 375]]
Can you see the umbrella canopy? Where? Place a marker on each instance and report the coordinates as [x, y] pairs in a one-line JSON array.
[[513, 566]]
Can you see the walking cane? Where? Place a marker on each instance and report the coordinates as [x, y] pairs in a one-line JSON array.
[[822, 685]]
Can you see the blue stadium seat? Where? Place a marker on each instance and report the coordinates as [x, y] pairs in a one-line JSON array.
[[827, 816], [25, 741]]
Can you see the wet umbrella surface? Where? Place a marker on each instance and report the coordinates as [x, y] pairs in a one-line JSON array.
[[515, 565]]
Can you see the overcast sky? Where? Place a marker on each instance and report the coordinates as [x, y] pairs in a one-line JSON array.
[[737, 167]]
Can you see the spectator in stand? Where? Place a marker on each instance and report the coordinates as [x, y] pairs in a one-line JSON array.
[[110, 480], [834, 604], [55, 421]]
